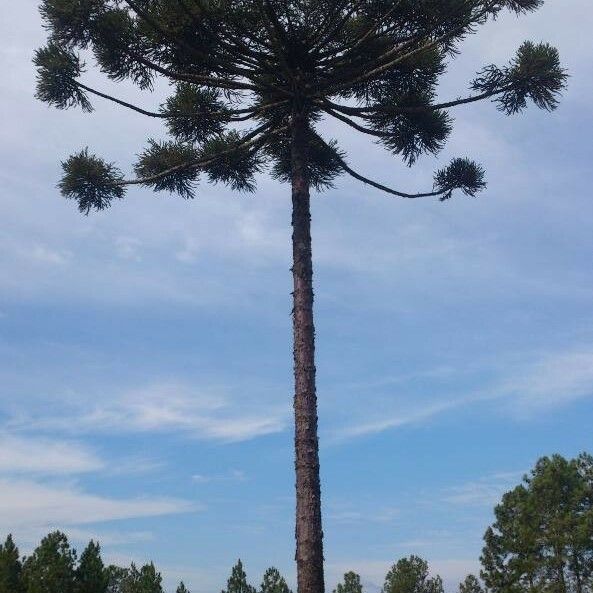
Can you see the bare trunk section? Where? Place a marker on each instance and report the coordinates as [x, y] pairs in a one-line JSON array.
[[309, 534]]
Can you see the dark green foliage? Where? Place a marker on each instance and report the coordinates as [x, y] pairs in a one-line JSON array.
[[10, 568], [176, 159], [182, 588], [116, 44], [351, 584], [273, 582], [228, 163], [145, 580], [415, 132], [70, 21], [194, 113], [115, 578], [50, 569], [373, 65], [237, 582], [410, 575], [542, 539], [471, 584], [323, 164], [534, 74], [520, 6], [90, 181], [91, 575], [462, 174], [133, 580], [57, 71]]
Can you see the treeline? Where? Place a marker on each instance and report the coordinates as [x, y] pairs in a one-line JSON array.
[[53, 567], [541, 542]]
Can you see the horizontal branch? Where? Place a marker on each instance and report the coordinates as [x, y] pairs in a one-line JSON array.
[[230, 115], [362, 111], [250, 140]]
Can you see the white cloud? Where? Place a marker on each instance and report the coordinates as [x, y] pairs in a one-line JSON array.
[[403, 418], [485, 492], [26, 503], [535, 385], [554, 380], [108, 538], [234, 475], [169, 408], [348, 514], [32, 455], [45, 255]]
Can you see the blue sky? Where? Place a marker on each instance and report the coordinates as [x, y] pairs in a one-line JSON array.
[[145, 355]]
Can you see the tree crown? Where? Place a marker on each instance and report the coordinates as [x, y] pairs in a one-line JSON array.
[[374, 65]]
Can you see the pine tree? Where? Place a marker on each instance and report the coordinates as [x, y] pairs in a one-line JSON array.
[[91, 575], [351, 584], [50, 569], [237, 582], [182, 588], [10, 568], [281, 67], [144, 580], [273, 582], [542, 539], [471, 584], [115, 578], [410, 575]]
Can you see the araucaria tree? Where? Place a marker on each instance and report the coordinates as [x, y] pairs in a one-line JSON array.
[[253, 80]]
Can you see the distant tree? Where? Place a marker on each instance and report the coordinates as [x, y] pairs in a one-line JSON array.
[[50, 569], [115, 578], [273, 582], [410, 575], [542, 539], [91, 575], [351, 584], [145, 580], [279, 68], [182, 588], [10, 568], [471, 584], [237, 582]]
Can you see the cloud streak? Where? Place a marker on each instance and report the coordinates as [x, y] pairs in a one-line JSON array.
[[32, 455], [530, 388], [26, 504], [167, 408]]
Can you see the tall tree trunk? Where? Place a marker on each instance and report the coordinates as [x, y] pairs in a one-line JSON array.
[[309, 534]]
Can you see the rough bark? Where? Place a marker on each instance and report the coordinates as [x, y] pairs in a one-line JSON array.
[[309, 533]]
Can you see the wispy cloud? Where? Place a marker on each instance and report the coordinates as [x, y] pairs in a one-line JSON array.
[[486, 491], [234, 475], [167, 408], [33, 455], [26, 503], [535, 385], [553, 380]]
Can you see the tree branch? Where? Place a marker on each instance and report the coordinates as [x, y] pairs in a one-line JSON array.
[[231, 115], [377, 185], [362, 111], [250, 140]]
